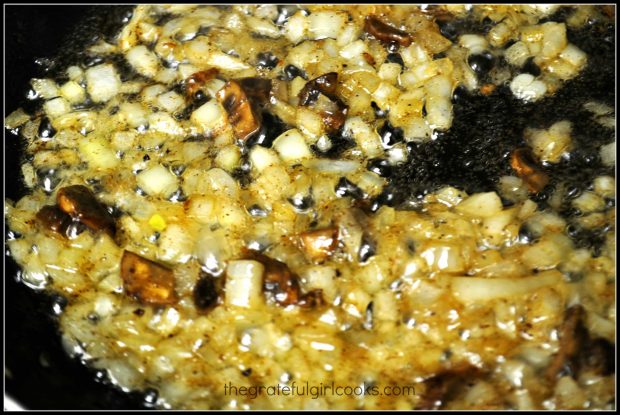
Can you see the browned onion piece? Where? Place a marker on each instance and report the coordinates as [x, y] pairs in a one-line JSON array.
[[523, 163], [319, 244], [81, 204], [241, 115], [54, 219], [385, 32], [147, 281], [198, 79]]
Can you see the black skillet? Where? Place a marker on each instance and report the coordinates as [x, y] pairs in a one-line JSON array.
[[38, 373], [471, 156]]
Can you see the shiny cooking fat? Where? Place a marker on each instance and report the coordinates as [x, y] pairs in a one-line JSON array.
[[369, 196]]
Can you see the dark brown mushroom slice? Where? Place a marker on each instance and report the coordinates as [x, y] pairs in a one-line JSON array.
[[196, 80], [207, 291], [241, 115], [573, 335], [319, 244], [281, 284], [325, 84], [258, 90], [578, 350], [147, 281], [51, 217], [334, 121], [524, 164], [598, 355], [384, 32], [312, 299], [446, 386], [82, 205]]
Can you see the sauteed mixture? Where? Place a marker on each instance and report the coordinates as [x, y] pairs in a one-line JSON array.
[[386, 198]]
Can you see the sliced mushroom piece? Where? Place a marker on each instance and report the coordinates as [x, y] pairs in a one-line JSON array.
[[447, 385], [54, 219], [197, 80], [82, 205], [241, 115], [319, 244], [572, 336], [324, 84], [312, 299], [278, 279], [524, 164], [282, 284], [578, 350], [147, 281], [384, 32], [257, 89], [334, 120]]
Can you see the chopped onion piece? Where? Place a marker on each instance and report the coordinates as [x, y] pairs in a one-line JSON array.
[[474, 290], [527, 88], [481, 205], [143, 60], [292, 147], [244, 283], [103, 82], [157, 181]]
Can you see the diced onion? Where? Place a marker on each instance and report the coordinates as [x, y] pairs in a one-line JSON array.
[[481, 205], [475, 290], [244, 283], [143, 60], [291, 146], [157, 181], [527, 88], [56, 107], [103, 82]]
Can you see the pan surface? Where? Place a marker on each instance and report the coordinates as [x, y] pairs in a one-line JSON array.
[[38, 372]]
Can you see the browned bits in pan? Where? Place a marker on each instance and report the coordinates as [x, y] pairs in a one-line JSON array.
[[147, 281], [54, 219], [523, 163], [82, 205], [487, 89], [241, 115], [384, 32], [282, 284], [198, 79], [319, 244]]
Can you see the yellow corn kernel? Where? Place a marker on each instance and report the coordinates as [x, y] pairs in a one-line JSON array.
[[157, 222]]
